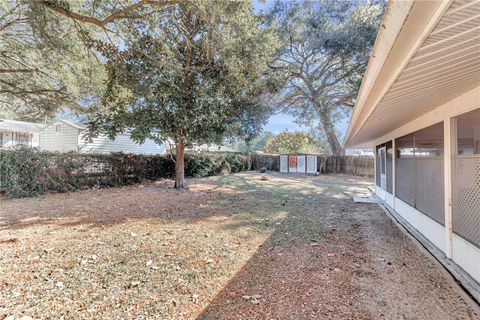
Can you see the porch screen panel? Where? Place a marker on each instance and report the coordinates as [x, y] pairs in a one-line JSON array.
[[429, 186], [378, 177], [405, 170], [389, 171], [466, 178]]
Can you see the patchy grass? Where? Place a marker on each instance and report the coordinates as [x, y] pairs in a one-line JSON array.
[[231, 247], [146, 250]]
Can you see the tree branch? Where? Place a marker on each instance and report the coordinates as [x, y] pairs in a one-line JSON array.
[[120, 14], [17, 70]]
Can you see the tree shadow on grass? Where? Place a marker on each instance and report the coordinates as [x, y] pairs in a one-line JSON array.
[[306, 269]]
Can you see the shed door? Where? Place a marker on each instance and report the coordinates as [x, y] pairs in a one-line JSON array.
[[283, 163], [292, 163], [301, 164], [311, 164]]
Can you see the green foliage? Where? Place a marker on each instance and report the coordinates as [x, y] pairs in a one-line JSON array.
[[195, 75], [23, 172], [44, 64], [29, 172], [208, 164], [291, 142], [253, 145], [325, 51]]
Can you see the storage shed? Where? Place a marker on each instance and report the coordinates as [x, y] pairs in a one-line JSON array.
[[419, 109]]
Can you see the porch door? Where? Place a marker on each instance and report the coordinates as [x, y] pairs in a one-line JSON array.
[[383, 167]]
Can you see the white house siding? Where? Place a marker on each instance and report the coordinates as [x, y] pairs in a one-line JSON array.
[[63, 141], [35, 140], [122, 143]]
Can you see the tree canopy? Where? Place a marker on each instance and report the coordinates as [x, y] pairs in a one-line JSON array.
[[194, 74], [253, 145], [292, 142], [44, 65], [325, 51]]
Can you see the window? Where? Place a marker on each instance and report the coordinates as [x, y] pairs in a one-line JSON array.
[[58, 128], [22, 138]]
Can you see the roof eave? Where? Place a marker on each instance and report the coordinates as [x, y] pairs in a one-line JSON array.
[[404, 28]]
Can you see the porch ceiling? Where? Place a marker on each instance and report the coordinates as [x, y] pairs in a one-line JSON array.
[[445, 65]]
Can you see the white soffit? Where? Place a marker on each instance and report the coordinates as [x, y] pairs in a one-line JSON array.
[[446, 65]]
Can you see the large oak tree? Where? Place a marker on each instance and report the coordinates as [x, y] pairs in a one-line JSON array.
[[325, 51]]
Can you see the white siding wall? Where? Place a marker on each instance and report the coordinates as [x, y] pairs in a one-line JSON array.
[[63, 141], [122, 143], [35, 140]]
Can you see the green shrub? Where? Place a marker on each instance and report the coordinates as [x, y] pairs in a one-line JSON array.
[[28, 172], [24, 172]]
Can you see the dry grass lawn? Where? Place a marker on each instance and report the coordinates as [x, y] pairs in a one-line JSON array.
[[231, 247]]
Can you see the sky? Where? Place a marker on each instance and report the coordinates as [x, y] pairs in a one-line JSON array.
[[284, 121]]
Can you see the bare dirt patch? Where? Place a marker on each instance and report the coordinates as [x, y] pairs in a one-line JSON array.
[[231, 247]]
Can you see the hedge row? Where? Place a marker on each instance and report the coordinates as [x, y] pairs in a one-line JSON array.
[[29, 172]]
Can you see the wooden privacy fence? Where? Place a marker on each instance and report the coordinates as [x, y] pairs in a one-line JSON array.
[[355, 165]]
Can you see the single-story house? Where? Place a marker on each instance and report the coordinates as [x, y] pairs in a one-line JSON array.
[[419, 109], [211, 148], [15, 133], [69, 135]]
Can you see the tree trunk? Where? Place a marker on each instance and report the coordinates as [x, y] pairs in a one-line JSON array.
[[180, 164], [329, 129]]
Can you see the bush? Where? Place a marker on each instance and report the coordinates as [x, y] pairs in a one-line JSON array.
[[28, 172], [23, 172]]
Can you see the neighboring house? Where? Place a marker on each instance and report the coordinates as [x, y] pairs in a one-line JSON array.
[[16, 133], [419, 109], [68, 135]]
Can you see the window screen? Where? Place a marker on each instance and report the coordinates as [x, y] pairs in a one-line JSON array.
[[378, 177], [389, 167], [419, 174], [405, 169], [429, 187]]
